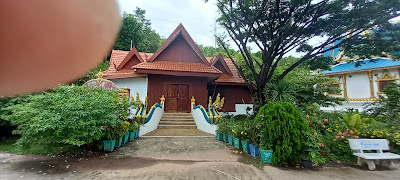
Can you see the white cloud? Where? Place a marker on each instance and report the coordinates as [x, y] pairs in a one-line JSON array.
[[197, 16]]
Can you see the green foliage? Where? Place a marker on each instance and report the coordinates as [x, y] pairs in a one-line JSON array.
[[136, 29], [387, 104], [281, 127], [355, 120], [71, 115], [277, 27]]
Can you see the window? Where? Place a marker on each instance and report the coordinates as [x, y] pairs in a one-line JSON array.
[[385, 80], [335, 85], [382, 84]]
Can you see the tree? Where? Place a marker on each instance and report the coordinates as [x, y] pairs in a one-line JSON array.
[[277, 27], [136, 31]]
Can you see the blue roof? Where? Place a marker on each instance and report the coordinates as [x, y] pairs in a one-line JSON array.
[[367, 64]]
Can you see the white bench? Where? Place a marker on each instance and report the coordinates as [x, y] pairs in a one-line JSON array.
[[378, 145]]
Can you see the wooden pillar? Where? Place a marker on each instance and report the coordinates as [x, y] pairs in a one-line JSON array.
[[371, 84], [344, 85]]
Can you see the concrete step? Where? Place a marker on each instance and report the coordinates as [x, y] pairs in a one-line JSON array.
[[177, 126], [176, 119], [177, 123], [177, 114]]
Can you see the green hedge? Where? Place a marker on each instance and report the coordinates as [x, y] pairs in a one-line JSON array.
[[68, 115]]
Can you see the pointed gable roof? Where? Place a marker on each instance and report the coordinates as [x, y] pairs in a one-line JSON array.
[[132, 52], [179, 31], [220, 59]]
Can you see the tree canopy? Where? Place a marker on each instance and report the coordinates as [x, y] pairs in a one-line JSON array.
[[136, 31], [277, 27]]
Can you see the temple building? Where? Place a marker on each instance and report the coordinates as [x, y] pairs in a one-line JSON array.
[[179, 71], [363, 83]]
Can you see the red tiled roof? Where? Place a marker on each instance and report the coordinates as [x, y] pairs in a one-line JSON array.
[[226, 78], [117, 56], [177, 66]]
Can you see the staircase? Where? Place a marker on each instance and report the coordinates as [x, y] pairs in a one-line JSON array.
[[177, 121]]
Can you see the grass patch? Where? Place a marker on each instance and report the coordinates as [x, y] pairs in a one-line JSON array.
[[8, 145], [256, 162]]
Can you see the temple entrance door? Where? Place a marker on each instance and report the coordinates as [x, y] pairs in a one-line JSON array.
[[177, 98]]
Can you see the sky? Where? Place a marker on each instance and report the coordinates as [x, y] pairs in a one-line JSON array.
[[196, 16]]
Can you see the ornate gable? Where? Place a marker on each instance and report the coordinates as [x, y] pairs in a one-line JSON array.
[[179, 47]]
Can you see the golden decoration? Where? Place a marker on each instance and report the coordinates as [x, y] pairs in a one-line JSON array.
[[193, 101], [99, 76], [344, 85], [162, 99], [138, 98], [371, 85]]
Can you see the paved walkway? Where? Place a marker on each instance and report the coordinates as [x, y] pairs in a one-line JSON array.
[[168, 158], [178, 132]]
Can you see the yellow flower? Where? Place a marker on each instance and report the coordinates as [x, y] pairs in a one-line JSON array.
[[346, 142], [233, 131], [398, 143], [372, 136], [241, 132], [245, 133]]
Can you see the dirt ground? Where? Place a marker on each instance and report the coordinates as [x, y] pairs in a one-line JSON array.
[[170, 158]]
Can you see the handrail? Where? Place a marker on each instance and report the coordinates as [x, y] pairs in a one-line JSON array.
[[141, 114], [211, 115]]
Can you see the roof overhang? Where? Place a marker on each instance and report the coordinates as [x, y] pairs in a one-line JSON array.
[[362, 70], [178, 73], [124, 76]]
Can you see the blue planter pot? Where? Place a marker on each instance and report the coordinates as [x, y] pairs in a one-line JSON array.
[[266, 156], [245, 146], [225, 138], [118, 142], [236, 143], [132, 136], [109, 145], [137, 134], [126, 137], [230, 139], [254, 150], [220, 137]]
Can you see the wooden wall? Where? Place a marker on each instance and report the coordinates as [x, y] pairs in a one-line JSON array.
[[157, 86], [233, 95], [179, 50]]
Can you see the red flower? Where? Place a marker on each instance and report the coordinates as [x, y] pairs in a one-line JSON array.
[[315, 114], [307, 116], [319, 121], [351, 132], [325, 120], [261, 115], [259, 124], [337, 137], [356, 137], [321, 145], [340, 133], [342, 137], [323, 126]]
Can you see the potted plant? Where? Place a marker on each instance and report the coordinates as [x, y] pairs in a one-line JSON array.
[[252, 132], [313, 144], [125, 127], [239, 134], [121, 131], [137, 132], [110, 134], [132, 130], [223, 129]]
